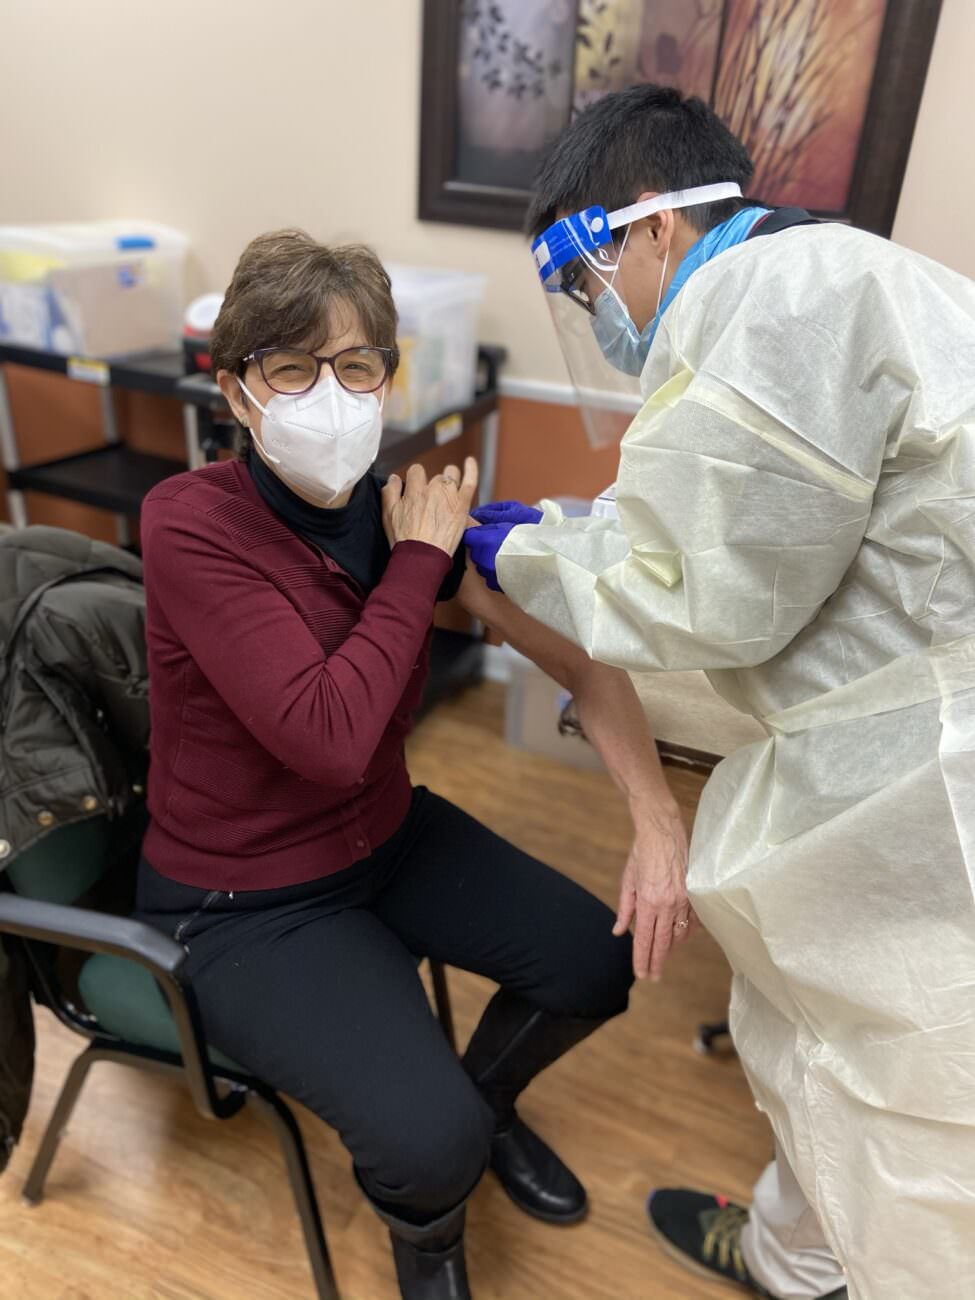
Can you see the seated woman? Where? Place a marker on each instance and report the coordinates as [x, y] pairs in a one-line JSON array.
[[290, 600]]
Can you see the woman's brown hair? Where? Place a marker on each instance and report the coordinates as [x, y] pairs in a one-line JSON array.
[[288, 289]]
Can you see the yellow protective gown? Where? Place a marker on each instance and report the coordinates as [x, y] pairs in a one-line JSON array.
[[797, 516]]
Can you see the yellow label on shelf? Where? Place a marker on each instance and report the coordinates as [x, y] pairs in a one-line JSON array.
[[88, 371], [449, 428]]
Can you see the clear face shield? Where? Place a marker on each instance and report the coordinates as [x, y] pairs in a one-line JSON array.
[[578, 261]]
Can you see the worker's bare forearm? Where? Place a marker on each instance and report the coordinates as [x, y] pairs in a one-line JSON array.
[[606, 702], [613, 719]]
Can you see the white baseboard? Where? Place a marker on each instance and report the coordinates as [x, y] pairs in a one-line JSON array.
[[538, 390], [544, 390]]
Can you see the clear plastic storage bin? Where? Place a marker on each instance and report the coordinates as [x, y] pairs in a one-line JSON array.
[[438, 313], [99, 288], [532, 710]]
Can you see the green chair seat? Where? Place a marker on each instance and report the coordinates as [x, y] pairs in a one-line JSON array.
[[127, 1002], [123, 996]]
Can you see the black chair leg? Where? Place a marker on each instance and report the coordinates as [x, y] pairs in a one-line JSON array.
[[56, 1125], [441, 998], [299, 1174]]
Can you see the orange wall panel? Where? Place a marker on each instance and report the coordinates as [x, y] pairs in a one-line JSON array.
[[543, 451]]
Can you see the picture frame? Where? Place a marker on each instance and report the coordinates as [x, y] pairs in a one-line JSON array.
[[453, 189]]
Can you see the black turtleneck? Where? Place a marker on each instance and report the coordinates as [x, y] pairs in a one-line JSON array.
[[352, 535]]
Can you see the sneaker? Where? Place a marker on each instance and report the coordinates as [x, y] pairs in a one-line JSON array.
[[704, 1234]]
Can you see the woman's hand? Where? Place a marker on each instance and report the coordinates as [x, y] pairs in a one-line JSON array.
[[653, 892], [434, 512]]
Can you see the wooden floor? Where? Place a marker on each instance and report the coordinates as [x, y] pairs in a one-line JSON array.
[[148, 1200]]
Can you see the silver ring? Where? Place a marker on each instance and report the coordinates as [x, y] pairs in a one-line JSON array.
[[681, 925]]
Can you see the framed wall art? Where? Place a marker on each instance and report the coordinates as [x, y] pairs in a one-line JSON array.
[[824, 93]]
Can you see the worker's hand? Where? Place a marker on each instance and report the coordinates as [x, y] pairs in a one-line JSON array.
[[493, 523], [653, 892], [434, 512], [507, 512]]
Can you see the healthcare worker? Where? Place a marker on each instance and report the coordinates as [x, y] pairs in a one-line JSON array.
[[796, 500]]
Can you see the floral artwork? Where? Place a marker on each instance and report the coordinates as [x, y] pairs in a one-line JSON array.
[[671, 42], [515, 86]]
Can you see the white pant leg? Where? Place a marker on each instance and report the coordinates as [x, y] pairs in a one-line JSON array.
[[783, 1244]]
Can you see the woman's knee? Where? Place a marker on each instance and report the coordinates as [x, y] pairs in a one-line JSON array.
[[433, 1161], [593, 977], [599, 986]]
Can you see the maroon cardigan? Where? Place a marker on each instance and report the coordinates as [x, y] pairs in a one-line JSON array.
[[280, 697]]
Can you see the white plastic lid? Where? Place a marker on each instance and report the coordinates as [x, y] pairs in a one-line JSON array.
[[89, 240], [435, 281], [202, 313]]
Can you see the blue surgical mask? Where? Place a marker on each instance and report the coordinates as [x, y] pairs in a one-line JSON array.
[[622, 344]]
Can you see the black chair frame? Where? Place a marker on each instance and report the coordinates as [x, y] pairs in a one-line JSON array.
[[218, 1093]]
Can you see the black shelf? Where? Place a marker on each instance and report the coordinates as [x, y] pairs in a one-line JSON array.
[[117, 478], [112, 478], [145, 372], [402, 445], [149, 372], [164, 372], [36, 358]]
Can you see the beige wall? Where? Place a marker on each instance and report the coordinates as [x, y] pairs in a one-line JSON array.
[[226, 117], [938, 198]]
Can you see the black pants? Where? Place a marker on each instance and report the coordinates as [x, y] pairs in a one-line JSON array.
[[315, 987]]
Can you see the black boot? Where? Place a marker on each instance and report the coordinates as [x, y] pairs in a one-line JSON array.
[[514, 1041], [430, 1263]]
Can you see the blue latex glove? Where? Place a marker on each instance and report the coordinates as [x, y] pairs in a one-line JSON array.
[[497, 521], [506, 512]]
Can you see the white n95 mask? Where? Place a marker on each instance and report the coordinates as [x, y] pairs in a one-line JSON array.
[[321, 442]]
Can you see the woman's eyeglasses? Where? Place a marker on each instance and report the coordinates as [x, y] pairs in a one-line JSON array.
[[358, 370]]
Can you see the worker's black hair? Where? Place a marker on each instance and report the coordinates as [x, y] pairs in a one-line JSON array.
[[645, 138]]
